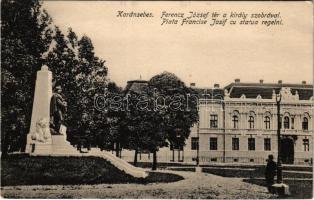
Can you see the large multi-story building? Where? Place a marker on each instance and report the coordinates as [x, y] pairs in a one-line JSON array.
[[238, 123]]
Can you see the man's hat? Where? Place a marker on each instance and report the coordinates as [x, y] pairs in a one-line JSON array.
[[270, 157]]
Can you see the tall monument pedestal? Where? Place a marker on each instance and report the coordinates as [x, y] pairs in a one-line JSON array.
[[39, 140]]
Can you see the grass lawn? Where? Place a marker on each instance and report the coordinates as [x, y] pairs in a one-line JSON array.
[[46, 170]]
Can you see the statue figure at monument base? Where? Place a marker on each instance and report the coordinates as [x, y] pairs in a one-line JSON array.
[[57, 110], [42, 133]]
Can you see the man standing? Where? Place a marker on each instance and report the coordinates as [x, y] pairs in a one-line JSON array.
[[57, 109], [270, 172]]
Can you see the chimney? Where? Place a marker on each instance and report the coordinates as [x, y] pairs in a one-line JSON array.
[[261, 81], [303, 82], [216, 85], [237, 80], [192, 84], [280, 82]]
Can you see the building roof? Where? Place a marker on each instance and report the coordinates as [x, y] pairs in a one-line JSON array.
[[210, 93], [252, 90], [236, 90], [304, 94], [137, 86]]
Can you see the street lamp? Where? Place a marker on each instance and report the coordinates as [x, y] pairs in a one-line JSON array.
[[279, 167], [279, 187], [198, 144]]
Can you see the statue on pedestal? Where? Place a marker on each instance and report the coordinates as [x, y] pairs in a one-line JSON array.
[[58, 108]]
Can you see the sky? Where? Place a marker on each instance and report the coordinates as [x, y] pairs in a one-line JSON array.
[[135, 48]]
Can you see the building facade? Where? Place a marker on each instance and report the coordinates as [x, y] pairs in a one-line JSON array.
[[239, 123]]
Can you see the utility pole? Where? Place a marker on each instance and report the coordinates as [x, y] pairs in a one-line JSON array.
[[224, 131], [280, 188], [279, 167]]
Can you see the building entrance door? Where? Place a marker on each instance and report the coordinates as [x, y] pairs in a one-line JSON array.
[[287, 150]]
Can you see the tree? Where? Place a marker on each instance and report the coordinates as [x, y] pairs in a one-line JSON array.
[[26, 36], [63, 62], [107, 119], [159, 113], [91, 80], [140, 123], [82, 76], [29, 40], [175, 111]]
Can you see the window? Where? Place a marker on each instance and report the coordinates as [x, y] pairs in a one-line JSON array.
[[235, 120], [267, 122], [305, 124], [213, 121], [212, 143], [251, 144], [194, 143], [235, 143], [306, 144], [267, 144], [292, 123], [286, 122], [251, 122]]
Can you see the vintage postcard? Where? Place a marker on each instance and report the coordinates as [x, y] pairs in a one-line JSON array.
[[157, 99]]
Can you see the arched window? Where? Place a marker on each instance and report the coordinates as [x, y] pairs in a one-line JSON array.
[[267, 122], [251, 122], [286, 123], [305, 124], [235, 121]]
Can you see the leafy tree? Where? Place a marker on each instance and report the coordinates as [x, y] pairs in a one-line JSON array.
[[72, 38], [29, 40], [62, 61], [140, 124], [159, 114], [174, 111], [107, 121], [91, 80], [82, 76], [26, 35]]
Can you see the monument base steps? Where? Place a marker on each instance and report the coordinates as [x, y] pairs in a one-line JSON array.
[[58, 145]]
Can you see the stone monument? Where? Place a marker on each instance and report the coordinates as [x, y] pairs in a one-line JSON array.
[[40, 141], [47, 134]]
